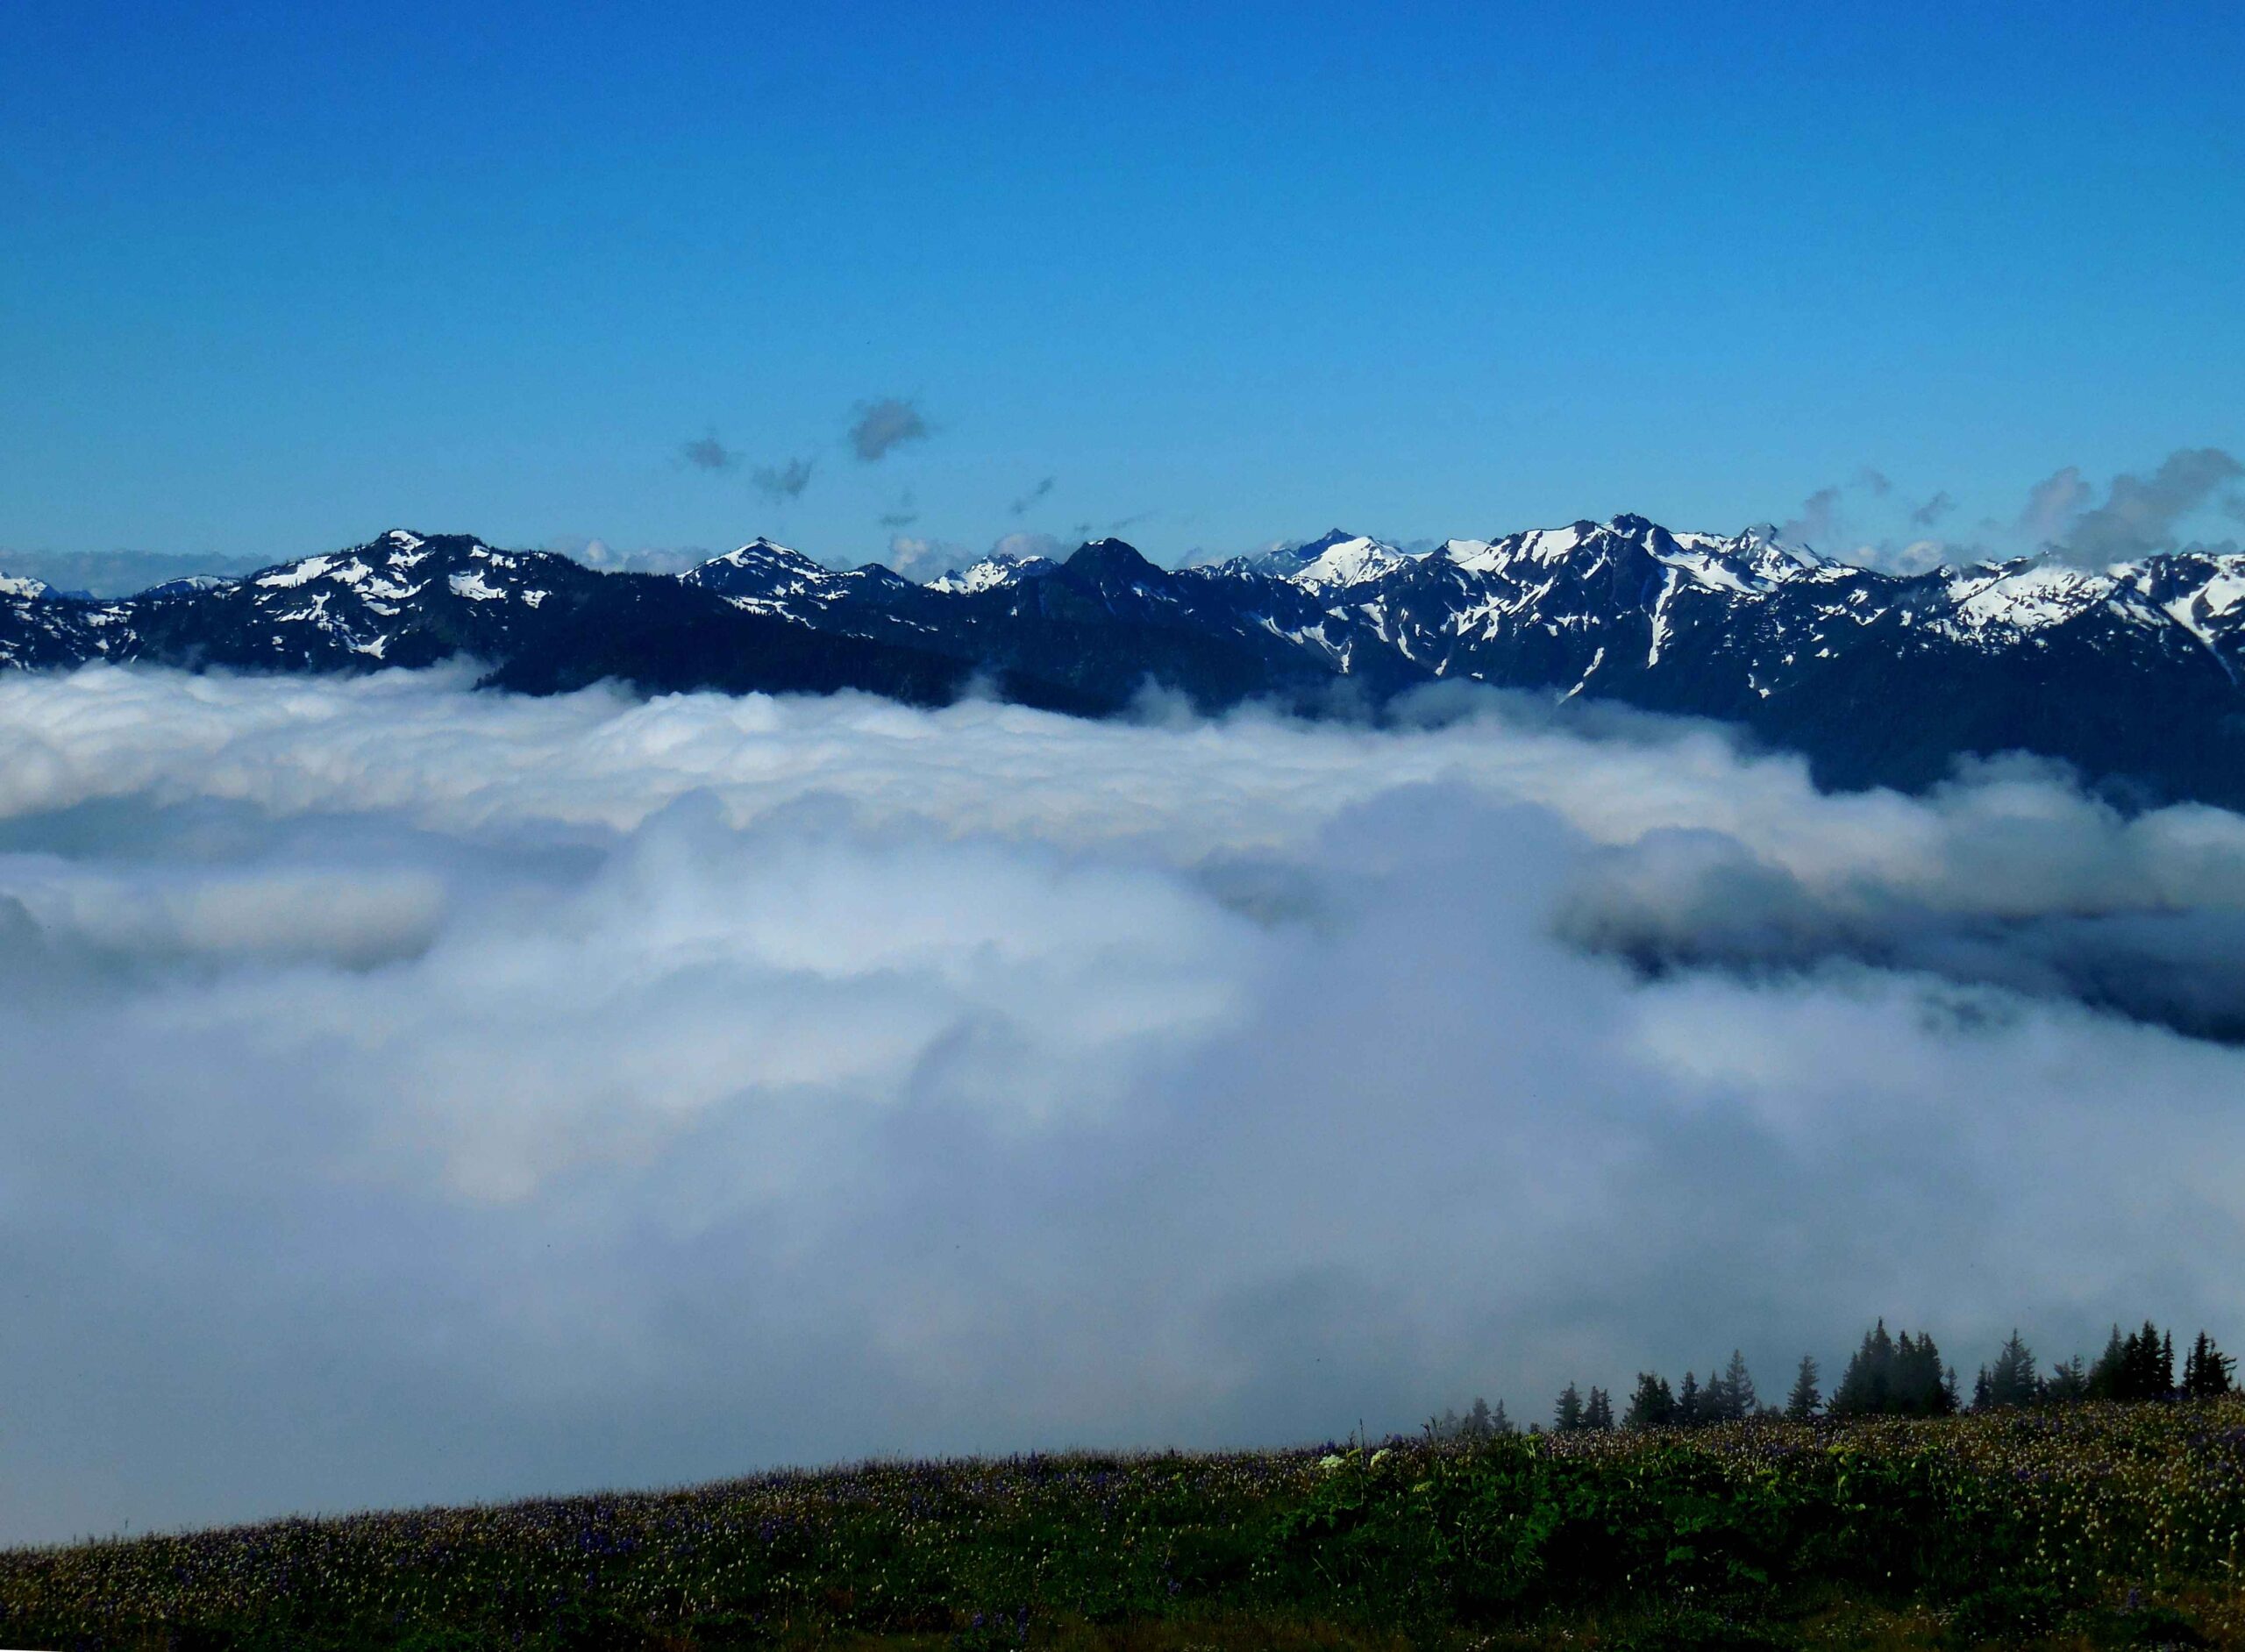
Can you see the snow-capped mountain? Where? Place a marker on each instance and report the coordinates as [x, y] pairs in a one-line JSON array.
[[2131, 672], [1336, 561], [1001, 568]]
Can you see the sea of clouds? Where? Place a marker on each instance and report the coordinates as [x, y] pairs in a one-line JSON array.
[[412, 1093]]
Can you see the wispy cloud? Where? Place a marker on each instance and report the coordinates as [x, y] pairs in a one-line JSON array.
[[596, 552], [707, 453], [1819, 518], [2052, 504], [1021, 505], [783, 482], [1932, 510], [884, 425], [919, 557], [1025, 546], [2141, 513]]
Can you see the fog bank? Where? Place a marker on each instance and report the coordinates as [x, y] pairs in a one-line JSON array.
[[419, 1094]]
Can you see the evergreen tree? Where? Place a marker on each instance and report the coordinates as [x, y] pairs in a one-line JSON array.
[[1739, 1398], [2067, 1384], [1599, 1413], [1568, 1417], [1801, 1405], [1982, 1391], [1690, 1413], [2140, 1364], [1892, 1376], [2012, 1382], [1916, 1379], [1499, 1423], [1866, 1386], [2206, 1370], [2107, 1373], [1479, 1425], [1652, 1405]]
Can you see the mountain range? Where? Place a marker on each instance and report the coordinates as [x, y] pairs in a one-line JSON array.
[[2130, 672]]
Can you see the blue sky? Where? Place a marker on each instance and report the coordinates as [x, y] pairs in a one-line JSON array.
[[274, 278]]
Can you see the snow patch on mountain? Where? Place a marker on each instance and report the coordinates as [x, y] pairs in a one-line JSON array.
[[992, 573]]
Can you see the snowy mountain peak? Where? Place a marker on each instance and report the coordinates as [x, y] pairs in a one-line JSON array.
[[1334, 560], [27, 590], [763, 577], [999, 569], [762, 552], [1340, 560]]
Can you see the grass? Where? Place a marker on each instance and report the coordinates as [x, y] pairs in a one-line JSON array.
[[2094, 1526]]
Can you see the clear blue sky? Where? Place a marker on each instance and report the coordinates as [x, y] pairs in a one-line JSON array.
[[275, 277]]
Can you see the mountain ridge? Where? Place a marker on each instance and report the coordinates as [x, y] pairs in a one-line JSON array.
[[2131, 673]]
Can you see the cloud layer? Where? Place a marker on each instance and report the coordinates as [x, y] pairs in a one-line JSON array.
[[419, 1094]]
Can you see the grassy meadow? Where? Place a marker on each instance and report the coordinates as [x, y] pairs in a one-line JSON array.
[[2085, 1525]]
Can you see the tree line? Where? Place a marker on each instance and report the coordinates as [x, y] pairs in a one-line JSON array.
[[1889, 1375]]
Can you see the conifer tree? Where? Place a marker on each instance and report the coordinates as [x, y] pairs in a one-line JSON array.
[[1900, 1376], [2012, 1382], [2206, 1370], [1916, 1388], [1714, 1400], [1479, 1425], [2140, 1364], [1652, 1405], [1499, 1423], [1801, 1403], [1567, 1418], [1599, 1412], [2108, 1372], [2067, 1384], [1739, 1398], [1866, 1386], [1690, 1413]]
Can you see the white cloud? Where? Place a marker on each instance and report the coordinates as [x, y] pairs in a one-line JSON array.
[[416, 1093]]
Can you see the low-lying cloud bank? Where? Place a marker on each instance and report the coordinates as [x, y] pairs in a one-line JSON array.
[[419, 1094]]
